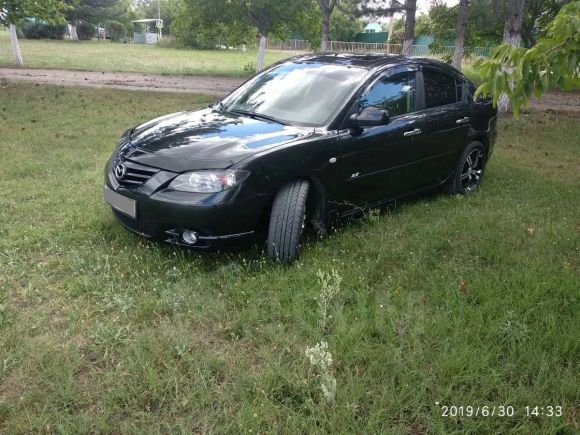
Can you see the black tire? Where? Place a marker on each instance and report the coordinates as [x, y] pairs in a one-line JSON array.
[[468, 174], [287, 221]]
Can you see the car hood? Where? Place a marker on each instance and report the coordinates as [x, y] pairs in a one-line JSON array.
[[204, 139]]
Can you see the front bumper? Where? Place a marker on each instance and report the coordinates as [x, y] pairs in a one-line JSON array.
[[149, 229], [223, 221]]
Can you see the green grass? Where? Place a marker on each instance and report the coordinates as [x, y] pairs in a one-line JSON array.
[[117, 57], [459, 300]]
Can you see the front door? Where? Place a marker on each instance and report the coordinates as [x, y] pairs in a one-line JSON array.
[[378, 162]]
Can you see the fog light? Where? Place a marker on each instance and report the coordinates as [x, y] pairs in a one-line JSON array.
[[189, 237]]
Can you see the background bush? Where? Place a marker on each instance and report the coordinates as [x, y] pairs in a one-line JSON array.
[[35, 30], [86, 31], [116, 30]]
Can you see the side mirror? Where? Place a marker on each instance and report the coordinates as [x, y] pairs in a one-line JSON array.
[[370, 117]]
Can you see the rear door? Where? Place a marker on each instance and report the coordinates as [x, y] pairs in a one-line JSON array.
[[447, 118]]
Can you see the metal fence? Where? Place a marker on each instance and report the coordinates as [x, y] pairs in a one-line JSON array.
[[300, 45]]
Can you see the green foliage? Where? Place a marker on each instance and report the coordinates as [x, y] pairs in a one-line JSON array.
[[14, 11], [170, 9], [93, 11], [552, 61], [343, 25], [441, 23], [198, 24], [116, 30], [537, 15], [86, 31], [203, 24], [39, 30], [485, 22]]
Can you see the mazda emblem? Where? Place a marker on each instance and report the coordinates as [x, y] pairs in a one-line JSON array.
[[120, 171]]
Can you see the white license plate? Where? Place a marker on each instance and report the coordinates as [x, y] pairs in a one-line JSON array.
[[125, 205]]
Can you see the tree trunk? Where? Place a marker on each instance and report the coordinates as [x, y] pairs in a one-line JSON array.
[[261, 52], [325, 28], [512, 34], [460, 38], [391, 30], [73, 32], [411, 9], [15, 45]]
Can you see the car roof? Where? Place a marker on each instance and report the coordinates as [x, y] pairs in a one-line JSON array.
[[367, 60]]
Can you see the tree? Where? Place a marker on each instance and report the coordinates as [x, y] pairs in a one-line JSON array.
[[537, 14], [326, 7], [512, 35], [410, 11], [344, 26], [266, 17], [14, 11], [387, 9], [460, 37], [91, 11], [518, 73]]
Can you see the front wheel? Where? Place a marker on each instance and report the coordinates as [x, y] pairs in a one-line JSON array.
[[287, 221], [468, 174]]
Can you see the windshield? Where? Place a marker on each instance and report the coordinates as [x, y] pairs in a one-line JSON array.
[[306, 94]]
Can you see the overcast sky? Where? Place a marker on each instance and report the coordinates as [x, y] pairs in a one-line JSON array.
[[423, 5]]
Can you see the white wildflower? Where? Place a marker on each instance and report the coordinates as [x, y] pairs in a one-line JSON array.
[[321, 359]]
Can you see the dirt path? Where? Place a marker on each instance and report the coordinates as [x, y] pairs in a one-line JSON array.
[[123, 80], [557, 101]]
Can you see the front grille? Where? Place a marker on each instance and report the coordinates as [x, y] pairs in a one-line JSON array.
[[143, 226], [135, 174]]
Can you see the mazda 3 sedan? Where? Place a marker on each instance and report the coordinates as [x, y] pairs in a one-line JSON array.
[[311, 140]]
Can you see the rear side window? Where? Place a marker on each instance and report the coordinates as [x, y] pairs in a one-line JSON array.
[[394, 94], [440, 89]]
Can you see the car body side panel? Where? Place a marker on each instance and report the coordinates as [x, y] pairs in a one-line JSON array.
[[444, 140], [379, 161], [311, 159]]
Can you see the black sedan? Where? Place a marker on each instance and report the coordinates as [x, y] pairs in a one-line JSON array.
[[310, 140]]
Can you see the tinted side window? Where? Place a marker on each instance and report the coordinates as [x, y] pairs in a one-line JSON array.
[[440, 89], [395, 94]]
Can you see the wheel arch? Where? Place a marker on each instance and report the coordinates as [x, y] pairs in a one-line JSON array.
[[483, 140], [316, 204]]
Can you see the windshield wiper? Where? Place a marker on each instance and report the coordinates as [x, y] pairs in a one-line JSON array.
[[257, 115], [219, 106]]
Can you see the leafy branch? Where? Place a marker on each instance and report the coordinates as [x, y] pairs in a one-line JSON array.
[[521, 73]]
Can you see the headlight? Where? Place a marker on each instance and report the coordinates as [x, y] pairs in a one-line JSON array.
[[208, 181]]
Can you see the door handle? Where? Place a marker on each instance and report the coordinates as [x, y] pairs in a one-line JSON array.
[[462, 120], [412, 132]]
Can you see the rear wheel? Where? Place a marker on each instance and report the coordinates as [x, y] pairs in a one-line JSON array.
[[468, 174], [287, 221]]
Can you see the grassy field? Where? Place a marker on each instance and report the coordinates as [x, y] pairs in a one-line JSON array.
[[116, 57], [109, 56], [450, 300]]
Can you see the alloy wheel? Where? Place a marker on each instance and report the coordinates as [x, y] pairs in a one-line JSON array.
[[472, 170]]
